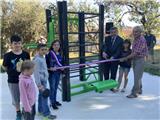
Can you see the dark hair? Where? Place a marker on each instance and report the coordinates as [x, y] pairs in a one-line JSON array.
[[15, 38], [51, 47], [128, 42], [41, 45], [27, 65]]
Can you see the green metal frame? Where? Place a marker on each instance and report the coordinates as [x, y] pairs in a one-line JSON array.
[[51, 35], [86, 86], [94, 85]]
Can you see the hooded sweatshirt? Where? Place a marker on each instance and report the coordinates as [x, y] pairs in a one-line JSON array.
[[41, 70], [27, 92]]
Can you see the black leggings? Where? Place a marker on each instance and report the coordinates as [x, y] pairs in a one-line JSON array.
[[29, 116]]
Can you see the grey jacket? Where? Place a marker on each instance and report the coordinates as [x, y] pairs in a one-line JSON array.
[[41, 71]]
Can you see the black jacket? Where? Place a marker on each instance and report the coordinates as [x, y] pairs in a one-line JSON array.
[[115, 49]]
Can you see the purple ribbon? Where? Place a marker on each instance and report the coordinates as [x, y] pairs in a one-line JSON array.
[[55, 57], [86, 64]]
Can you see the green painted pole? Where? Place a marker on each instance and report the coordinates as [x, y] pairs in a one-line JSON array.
[[51, 33]]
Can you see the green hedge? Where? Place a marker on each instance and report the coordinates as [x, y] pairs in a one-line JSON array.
[[153, 69]]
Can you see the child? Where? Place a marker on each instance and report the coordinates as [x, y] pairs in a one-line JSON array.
[[27, 90], [54, 59], [9, 64], [124, 66], [41, 78]]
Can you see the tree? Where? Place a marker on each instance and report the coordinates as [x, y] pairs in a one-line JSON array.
[[26, 18], [145, 12]]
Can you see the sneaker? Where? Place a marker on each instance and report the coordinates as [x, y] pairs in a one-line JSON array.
[[19, 116], [58, 103], [54, 106], [140, 93], [116, 90], [123, 90], [50, 117], [113, 90], [132, 96], [39, 114]]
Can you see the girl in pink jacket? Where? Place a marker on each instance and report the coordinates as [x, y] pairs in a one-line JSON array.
[[27, 90]]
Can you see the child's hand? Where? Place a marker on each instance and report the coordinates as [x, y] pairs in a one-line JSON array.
[[112, 58], [123, 59], [53, 69], [104, 55], [41, 87], [62, 69], [3, 68]]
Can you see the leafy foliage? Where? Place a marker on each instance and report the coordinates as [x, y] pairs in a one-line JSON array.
[[145, 12], [26, 18]]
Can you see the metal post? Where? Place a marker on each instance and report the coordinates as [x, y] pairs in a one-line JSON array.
[[60, 24], [48, 18], [81, 30], [101, 37], [50, 26], [63, 36]]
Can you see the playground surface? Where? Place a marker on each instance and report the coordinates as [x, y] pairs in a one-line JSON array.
[[99, 106]]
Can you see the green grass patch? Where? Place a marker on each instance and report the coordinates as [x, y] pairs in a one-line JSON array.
[[152, 71]]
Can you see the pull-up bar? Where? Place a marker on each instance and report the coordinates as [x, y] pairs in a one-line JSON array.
[[65, 45], [86, 13], [86, 64]]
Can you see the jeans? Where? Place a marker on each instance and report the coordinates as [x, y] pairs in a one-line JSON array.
[[43, 102], [54, 79]]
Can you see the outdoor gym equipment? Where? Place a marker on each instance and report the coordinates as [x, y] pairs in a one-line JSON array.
[[83, 69], [92, 85]]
